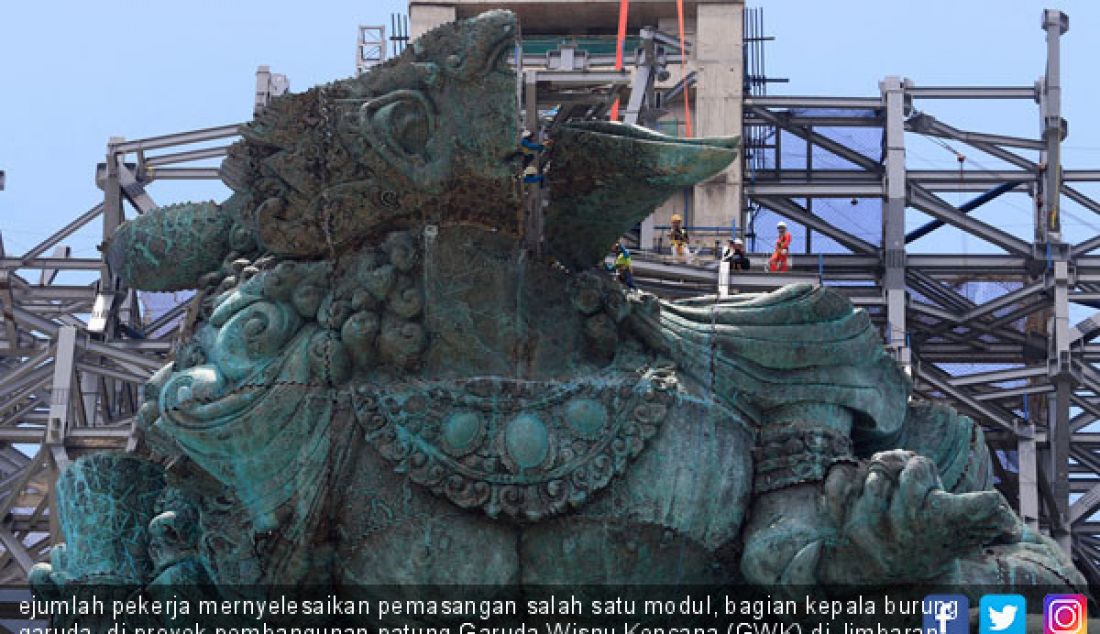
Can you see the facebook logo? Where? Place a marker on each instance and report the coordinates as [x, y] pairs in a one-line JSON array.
[[945, 614]]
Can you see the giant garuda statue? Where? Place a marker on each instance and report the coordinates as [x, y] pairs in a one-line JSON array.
[[380, 382]]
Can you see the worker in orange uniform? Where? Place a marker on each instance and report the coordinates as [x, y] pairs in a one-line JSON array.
[[780, 259], [678, 237]]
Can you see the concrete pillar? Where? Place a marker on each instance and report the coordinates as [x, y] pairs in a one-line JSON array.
[[1027, 450], [718, 97], [424, 17]]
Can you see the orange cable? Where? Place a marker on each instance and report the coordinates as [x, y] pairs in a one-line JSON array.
[[624, 9]]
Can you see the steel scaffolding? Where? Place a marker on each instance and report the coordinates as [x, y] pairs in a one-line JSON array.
[[73, 357], [370, 50], [1013, 360]]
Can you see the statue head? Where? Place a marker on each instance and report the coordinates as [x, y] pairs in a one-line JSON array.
[[427, 138], [430, 138]]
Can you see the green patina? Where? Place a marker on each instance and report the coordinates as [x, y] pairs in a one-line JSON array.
[[375, 363]]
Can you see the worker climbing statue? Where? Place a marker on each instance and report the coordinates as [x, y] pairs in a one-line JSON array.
[[378, 384]]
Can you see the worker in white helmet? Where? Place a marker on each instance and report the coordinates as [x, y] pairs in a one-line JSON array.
[[779, 262], [734, 253], [733, 259]]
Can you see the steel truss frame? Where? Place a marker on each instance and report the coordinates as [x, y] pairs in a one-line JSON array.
[[1036, 390], [73, 356], [370, 50], [584, 86]]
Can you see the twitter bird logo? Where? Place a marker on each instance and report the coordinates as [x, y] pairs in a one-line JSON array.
[[1002, 614], [1003, 619]]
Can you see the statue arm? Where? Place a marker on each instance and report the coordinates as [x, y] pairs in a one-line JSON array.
[[834, 499], [885, 519], [923, 512]]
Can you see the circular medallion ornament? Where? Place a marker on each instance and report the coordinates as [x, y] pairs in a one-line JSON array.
[[462, 433], [527, 441], [586, 417]]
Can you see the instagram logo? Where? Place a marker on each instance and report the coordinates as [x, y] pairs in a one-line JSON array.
[[1065, 614]]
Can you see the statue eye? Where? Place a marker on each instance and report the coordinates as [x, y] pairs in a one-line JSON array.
[[499, 59], [504, 60], [405, 122], [409, 128]]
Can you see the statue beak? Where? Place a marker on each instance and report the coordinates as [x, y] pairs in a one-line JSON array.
[[606, 177]]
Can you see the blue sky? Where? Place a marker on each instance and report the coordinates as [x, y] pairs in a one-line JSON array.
[[76, 73]]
